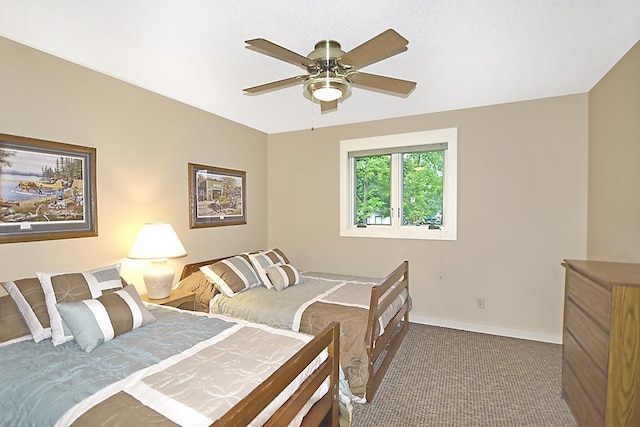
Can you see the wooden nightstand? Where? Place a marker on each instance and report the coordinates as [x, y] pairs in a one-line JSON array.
[[178, 298]]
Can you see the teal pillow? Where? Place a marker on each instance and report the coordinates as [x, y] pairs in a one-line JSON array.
[[93, 322]]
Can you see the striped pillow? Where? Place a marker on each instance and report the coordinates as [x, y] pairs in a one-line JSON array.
[[282, 256], [12, 325], [282, 276], [232, 275], [29, 299], [96, 321], [265, 259], [74, 287]]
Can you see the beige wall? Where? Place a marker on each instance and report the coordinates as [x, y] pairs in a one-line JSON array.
[[614, 163], [522, 191], [144, 142], [522, 201]]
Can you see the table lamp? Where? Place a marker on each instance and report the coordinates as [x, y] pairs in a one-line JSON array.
[[157, 242]]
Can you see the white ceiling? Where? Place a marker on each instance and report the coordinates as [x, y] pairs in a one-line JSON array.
[[462, 53]]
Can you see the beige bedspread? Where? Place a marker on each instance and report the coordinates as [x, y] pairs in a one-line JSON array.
[[309, 307], [198, 385]]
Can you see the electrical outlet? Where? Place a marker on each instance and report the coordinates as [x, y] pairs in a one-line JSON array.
[[480, 303]]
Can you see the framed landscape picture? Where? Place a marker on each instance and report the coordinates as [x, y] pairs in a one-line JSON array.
[[47, 190], [217, 196]]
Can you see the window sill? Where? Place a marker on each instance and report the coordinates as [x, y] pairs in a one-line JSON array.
[[417, 233]]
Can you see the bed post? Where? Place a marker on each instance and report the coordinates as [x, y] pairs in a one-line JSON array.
[[396, 328], [334, 354]]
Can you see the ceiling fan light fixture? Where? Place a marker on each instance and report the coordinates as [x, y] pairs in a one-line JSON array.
[[328, 89], [327, 93]]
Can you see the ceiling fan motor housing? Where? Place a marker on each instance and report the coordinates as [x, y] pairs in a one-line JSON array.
[[328, 73], [326, 49]]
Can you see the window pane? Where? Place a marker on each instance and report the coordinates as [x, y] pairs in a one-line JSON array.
[[373, 186], [422, 187]]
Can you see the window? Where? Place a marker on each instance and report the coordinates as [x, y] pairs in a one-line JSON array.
[[400, 186]]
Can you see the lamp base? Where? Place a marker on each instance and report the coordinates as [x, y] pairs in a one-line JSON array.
[[158, 279]]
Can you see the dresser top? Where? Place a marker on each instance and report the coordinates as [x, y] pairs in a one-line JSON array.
[[609, 273]]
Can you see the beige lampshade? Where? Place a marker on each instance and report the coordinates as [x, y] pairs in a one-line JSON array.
[[157, 241]]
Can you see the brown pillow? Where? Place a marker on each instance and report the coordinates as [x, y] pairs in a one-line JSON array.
[[28, 296], [232, 275], [12, 325], [197, 282]]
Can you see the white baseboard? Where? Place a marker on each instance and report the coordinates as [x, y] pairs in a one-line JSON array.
[[487, 329]]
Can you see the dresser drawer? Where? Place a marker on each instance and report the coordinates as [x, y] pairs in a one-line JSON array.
[[589, 336], [592, 379], [580, 404], [591, 297], [601, 338]]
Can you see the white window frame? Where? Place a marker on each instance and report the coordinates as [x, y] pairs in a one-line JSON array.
[[448, 231]]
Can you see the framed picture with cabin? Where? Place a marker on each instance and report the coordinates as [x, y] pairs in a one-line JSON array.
[[217, 196]]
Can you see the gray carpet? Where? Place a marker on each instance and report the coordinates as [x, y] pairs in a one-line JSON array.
[[447, 377]]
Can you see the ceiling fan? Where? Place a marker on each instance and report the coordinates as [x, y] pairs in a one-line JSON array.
[[332, 72]]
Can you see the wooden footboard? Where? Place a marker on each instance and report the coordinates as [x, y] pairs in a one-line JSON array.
[[381, 349], [324, 412]]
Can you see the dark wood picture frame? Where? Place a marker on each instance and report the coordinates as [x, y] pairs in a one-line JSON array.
[[47, 190], [217, 196]]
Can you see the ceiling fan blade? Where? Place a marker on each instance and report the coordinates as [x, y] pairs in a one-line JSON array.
[[327, 107], [380, 47], [275, 51], [280, 84], [382, 83]]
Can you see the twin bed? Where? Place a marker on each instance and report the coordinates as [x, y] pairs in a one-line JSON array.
[[186, 368], [373, 313], [175, 370]]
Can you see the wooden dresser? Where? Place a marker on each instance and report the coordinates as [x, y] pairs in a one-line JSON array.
[[601, 343]]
